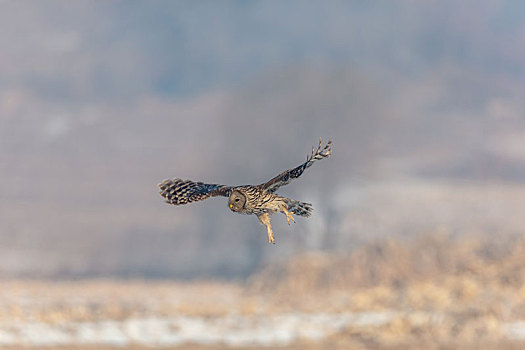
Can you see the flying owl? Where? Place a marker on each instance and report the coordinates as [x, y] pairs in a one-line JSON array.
[[260, 200]]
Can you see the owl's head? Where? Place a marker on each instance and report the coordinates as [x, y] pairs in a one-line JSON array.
[[237, 201]]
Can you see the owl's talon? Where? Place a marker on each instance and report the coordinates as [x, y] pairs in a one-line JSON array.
[[288, 215]]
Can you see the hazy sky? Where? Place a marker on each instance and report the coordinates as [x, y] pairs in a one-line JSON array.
[[101, 100], [123, 49]]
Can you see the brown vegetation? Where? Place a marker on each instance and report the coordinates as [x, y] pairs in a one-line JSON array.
[[437, 291], [446, 289]]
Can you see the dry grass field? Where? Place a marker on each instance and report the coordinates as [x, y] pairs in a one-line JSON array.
[[430, 292]]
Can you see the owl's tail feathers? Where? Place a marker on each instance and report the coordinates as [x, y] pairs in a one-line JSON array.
[[299, 208]]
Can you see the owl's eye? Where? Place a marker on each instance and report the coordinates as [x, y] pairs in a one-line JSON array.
[[236, 199]]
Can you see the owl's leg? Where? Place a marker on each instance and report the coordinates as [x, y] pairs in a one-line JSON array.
[[288, 214], [265, 220], [270, 234]]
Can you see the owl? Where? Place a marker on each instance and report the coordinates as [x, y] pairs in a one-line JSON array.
[[260, 200]]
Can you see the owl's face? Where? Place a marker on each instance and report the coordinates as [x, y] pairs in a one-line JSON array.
[[237, 201]]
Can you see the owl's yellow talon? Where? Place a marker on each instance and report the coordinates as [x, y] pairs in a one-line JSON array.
[[288, 215]]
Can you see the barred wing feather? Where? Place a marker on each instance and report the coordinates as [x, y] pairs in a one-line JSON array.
[[179, 192], [285, 177]]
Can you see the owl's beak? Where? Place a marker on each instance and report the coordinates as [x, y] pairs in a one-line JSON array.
[[231, 205]]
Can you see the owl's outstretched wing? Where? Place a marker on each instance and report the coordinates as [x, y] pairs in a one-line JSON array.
[[180, 192], [285, 177]]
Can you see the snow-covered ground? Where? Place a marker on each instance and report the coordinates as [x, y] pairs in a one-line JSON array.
[[232, 330]]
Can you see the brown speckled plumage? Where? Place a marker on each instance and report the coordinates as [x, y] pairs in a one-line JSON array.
[[260, 200]]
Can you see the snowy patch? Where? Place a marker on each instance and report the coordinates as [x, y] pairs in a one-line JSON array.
[[515, 330], [232, 330]]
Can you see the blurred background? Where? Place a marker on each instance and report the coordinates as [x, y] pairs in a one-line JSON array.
[[417, 230]]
